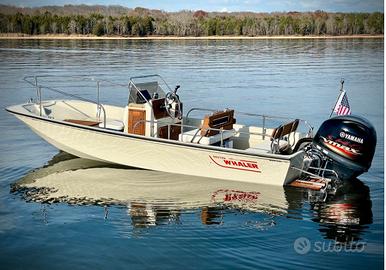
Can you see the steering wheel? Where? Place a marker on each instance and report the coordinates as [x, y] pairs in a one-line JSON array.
[[173, 104]]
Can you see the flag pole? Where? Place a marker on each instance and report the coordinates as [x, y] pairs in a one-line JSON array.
[[337, 100]]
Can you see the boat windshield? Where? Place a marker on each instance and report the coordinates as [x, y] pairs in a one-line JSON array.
[[144, 88]]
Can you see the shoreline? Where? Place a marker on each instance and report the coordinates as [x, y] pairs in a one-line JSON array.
[[90, 37]]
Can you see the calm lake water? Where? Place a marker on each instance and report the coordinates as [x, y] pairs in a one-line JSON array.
[[171, 222]]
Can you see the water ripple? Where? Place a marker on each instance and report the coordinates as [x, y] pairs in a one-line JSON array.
[[139, 218]]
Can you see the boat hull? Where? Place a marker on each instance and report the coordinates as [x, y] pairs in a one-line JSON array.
[[163, 155]]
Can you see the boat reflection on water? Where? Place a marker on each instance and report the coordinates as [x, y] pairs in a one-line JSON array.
[[146, 214], [151, 197], [155, 198], [342, 216]]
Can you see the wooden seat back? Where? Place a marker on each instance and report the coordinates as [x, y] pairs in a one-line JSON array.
[[279, 133], [218, 120], [286, 129]]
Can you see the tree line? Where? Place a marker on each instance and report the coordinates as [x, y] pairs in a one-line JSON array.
[[145, 22]]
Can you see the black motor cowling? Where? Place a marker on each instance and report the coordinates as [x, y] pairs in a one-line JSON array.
[[349, 143]]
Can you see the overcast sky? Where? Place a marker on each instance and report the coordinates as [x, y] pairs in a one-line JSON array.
[[223, 5]]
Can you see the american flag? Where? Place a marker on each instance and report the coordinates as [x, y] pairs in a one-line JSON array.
[[342, 107]]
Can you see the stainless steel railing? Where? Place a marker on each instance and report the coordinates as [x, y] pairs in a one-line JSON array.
[[34, 81], [263, 117], [133, 85], [149, 76], [221, 131]]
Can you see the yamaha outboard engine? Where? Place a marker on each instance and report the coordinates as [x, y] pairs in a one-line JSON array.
[[344, 144]]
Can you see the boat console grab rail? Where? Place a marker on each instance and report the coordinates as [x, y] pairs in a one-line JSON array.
[[132, 84], [149, 76], [138, 92]]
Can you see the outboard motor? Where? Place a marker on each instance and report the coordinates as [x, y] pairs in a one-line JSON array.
[[344, 144]]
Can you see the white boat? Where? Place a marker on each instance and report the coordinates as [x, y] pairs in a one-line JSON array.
[[151, 132]]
